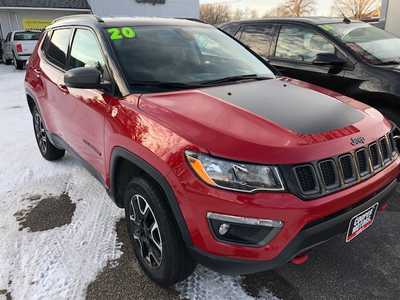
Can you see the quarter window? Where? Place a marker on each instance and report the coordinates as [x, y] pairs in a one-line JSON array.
[[301, 44], [258, 38], [85, 50], [57, 47]]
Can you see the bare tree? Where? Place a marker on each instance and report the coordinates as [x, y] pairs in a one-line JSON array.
[[279, 11], [297, 8], [357, 9], [238, 14], [215, 13]]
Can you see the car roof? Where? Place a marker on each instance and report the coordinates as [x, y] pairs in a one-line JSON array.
[[92, 20], [307, 20]]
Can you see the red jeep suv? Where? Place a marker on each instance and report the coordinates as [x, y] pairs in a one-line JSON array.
[[215, 158]]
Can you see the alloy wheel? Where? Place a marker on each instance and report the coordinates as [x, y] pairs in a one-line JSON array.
[[40, 132], [146, 232]]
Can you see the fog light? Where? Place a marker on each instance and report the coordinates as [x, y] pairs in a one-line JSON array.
[[243, 230], [224, 228]]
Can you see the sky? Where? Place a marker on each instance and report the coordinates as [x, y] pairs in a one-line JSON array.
[[323, 7]]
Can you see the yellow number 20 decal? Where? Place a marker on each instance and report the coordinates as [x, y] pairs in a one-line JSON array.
[[121, 33]]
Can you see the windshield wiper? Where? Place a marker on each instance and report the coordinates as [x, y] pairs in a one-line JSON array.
[[389, 62], [164, 85], [235, 79]]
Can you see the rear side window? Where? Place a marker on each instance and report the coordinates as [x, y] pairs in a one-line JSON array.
[[57, 47], [231, 29], [298, 43], [259, 38], [85, 50], [26, 36]]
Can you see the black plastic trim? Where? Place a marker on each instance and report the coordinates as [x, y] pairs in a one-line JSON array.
[[118, 153]]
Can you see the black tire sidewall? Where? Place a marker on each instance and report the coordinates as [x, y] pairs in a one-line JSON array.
[[170, 269], [52, 153]]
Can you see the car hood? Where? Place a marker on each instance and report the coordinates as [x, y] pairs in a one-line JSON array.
[[258, 121]]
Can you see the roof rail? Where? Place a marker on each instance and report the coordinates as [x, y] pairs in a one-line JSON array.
[[87, 16], [192, 19]]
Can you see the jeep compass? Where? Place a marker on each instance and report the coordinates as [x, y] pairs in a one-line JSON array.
[[215, 158]]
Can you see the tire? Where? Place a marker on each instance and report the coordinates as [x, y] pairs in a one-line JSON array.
[[19, 64], [6, 61], [46, 148], [156, 240]]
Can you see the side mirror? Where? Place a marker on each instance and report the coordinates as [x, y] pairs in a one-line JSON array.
[[328, 59], [83, 78]]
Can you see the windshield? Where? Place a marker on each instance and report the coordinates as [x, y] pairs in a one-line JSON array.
[[183, 55], [26, 36], [371, 43]]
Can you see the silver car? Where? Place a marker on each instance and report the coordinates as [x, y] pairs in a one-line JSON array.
[[18, 46]]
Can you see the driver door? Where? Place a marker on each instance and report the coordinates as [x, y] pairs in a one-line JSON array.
[[86, 108], [296, 49]]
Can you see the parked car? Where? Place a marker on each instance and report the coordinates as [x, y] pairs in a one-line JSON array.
[[214, 159], [351, 57], [18, 46]]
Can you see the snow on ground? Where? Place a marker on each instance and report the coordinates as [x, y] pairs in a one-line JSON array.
[[61, 262]]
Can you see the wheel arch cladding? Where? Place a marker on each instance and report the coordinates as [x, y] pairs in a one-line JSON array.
[[126, 165], [31, 102]]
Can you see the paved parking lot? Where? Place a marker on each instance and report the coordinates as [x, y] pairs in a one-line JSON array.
[[63, 238]]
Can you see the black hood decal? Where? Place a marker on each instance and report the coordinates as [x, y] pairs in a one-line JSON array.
[[300, 109]]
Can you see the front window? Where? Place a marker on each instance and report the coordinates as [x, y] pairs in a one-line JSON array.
[[85, 51], [27, 36], [186, 55], [259, 38], [373, 44]]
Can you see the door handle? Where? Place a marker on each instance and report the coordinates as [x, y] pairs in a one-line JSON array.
[[63, 88]]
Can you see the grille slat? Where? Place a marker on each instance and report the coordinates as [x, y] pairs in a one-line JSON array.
[[307, 179], [348, 170], [337, 173], [362, 162], [329, 173], [384, 149], [375, 156]]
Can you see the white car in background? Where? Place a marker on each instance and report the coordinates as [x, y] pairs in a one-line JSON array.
[[18, 47]]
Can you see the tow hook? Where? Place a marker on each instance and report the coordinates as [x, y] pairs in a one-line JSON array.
[[300, 259], [383, 207]]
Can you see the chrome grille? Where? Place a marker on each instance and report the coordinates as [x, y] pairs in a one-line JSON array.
[[336, 173]]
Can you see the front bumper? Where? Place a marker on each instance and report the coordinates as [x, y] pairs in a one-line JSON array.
[[22, 57], [313, 234]]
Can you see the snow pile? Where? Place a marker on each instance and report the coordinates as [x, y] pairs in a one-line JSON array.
[[206, 284], [59, 263]]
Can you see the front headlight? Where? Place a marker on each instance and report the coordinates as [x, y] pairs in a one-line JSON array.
[[235, 175]]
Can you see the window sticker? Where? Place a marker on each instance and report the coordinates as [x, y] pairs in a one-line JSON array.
[[117, 33]]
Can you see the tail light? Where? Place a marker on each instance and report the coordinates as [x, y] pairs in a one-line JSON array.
[[18, 48]]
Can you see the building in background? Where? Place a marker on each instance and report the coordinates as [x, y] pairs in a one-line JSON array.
[[148, 8], [390, 16], [37, 14]]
